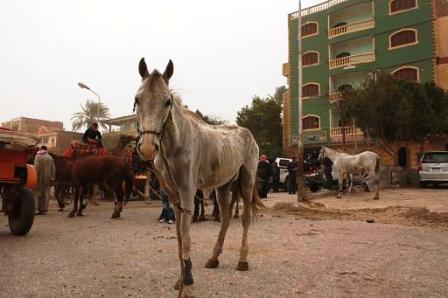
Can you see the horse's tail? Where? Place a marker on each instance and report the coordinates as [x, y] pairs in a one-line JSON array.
[[257, 203], [377, 166]]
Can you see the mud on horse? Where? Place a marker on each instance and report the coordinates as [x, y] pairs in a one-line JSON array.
[[95, 169]]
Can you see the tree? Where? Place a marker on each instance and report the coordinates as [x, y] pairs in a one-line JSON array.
[[89, 114], [395, 112], [263, 119]]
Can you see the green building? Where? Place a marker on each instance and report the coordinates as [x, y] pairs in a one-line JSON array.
[[344, 42]]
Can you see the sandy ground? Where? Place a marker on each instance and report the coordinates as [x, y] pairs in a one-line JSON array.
[[320, 249]]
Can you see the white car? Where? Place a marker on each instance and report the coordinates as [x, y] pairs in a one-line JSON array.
[[433, 168], [282, 164]]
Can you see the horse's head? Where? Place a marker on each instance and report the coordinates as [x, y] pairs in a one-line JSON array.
[[154, 102]]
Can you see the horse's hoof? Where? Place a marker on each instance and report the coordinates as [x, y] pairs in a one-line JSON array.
[[60, 210], [71, 214], [203, 218], [236, 216], [115, 215], [177, 285], [194, 219], [186, 292], [242, 266], [79, 214], [212, 264], [376, 198]]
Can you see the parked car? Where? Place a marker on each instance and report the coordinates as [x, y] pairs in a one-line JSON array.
[[282, 164], [433, 168]]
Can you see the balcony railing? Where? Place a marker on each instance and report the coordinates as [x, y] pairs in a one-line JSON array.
[[286, 69], [315, 8], [349, 131], [335, 96], [352, 27], [352, 60]]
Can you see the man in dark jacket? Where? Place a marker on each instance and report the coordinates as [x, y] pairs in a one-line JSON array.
[[264, 172], [275, 176], [292, 176], [92, 134]]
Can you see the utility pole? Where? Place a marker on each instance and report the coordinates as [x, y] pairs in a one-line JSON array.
[[300, 172]]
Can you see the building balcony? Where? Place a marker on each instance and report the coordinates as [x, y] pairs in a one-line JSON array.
[[352, 134], [352, 27], [335, 96], [316, 8], [352, 60], [286, 70]]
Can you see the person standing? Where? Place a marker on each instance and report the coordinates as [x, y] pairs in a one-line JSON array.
[[275, 176], [45, 170], [292, 176], [167, 215], [264, 172]]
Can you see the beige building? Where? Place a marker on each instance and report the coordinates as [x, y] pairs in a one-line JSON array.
[[126, 125], [59, 140], [31, 125]]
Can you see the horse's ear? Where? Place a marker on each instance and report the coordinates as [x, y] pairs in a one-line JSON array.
[[168, 71], [143, 68]]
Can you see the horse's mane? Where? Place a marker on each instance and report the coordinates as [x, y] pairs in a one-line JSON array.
[[188, 113]]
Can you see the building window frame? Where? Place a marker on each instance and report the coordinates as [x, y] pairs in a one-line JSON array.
[[406, 67], [312, 34], [406, 44], [402, 10], [311, 83], [309, 52], [312, 129]]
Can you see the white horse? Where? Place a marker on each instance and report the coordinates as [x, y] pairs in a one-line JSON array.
[[189, 154], [344, 165]]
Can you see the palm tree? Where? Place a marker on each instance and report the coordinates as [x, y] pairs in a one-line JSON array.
[[88, 115]]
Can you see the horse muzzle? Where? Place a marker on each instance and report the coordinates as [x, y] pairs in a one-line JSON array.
[[148, 148]]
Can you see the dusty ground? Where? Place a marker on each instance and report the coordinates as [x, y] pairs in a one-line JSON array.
[[320, 249]]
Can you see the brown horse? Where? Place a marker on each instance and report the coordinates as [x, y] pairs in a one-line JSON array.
[[95, 169], [63, 176]]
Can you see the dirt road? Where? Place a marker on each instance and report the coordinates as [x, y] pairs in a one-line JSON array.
[[290, 256]]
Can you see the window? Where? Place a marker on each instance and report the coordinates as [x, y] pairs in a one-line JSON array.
[[396, 6], [310, 58], [343, 55], [309, 29], [402, 38], [345, 88], [311, 122], [406, 73], [310, 89]]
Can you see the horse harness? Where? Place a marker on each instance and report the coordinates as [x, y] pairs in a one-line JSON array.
[[160, 134]]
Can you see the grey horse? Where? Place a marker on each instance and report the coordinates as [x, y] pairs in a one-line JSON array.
[[189, 154]]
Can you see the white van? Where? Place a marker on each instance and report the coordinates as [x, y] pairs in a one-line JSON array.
[[282, 164]]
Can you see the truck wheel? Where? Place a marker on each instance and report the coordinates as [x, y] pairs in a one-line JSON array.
[[22, 217]]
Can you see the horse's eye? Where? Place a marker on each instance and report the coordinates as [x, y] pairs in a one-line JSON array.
[[168, 102]]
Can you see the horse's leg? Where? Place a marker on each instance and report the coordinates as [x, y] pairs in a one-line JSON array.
[[202, 216], [119, 199], [75, 202], [223, 200], [376, 178], [350, 177], [247, 189], [237, 207], [84, 190], [184, 225], [196, 209], [340, 182]]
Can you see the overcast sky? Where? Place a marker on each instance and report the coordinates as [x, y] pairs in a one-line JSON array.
[[224, 52]]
